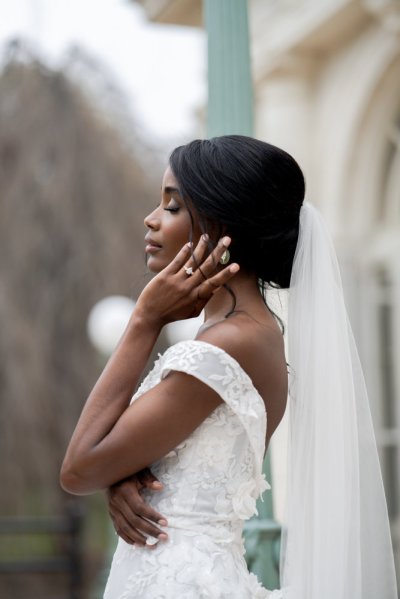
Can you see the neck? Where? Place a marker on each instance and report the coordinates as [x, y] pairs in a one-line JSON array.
[[245, 288]]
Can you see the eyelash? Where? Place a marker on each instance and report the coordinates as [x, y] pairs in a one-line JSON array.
[[172, 209]]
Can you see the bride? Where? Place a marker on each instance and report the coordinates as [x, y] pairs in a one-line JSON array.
[[230, 223]]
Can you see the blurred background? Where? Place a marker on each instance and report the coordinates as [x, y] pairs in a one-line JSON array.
[[93, 97]]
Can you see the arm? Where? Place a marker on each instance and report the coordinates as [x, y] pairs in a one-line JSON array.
[[113, 440], [109, 398], [144, 432]]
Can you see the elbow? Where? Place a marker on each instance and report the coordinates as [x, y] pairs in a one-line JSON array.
[[70, 482], [74, 482]]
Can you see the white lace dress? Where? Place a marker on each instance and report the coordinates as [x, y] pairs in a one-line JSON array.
[[211, 483]]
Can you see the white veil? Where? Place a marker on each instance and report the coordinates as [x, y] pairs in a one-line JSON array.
[[337, 541]]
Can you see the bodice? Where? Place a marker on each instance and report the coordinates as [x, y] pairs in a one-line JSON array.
[[213, 478], [211, 483]]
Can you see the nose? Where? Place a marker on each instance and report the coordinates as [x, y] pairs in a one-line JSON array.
[[152, 221]]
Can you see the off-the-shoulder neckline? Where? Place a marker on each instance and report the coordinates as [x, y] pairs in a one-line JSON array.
[[223, 351]]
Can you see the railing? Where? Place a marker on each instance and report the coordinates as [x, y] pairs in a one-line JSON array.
[[262, 540], [65, 532], [262, 536]]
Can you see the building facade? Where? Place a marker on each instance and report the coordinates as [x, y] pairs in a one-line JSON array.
[[327, 89]]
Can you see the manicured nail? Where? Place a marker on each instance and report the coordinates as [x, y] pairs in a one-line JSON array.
[[226, 241], [189, 244], [162, 522], [157, 484], [205, 237], [234, 268], [163, 536]]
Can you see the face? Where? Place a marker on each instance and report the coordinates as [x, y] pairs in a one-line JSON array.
[[169, 226]]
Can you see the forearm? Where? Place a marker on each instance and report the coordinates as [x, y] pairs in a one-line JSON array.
[[111, 441], [111, 394]]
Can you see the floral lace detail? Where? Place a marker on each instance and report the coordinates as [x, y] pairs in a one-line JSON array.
[[211, 483]]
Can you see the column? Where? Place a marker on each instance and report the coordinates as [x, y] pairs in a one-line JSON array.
[[230, 97], [230, 111]]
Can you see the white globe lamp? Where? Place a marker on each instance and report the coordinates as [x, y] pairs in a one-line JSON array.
[[107, 321], [183, 330]]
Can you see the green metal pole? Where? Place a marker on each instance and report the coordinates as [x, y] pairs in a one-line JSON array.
[[230, 98], [230, 111]]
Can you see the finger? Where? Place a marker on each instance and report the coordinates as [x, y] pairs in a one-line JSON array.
[[180, 259], [138, 529], [132, 503], [210, 265], [213, 284], [145, 527], [126, 533], [146, 512], [133, 535], [137, 516], [199, 253], [133, 538], [129, 499], [125, 538], [148, 480]]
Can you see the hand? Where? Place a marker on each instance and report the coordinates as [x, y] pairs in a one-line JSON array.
[[174, 295], [130, 514]]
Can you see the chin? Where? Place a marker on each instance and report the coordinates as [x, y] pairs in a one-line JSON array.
[[155, 265]]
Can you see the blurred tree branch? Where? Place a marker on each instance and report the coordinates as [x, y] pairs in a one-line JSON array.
[[73, 195]]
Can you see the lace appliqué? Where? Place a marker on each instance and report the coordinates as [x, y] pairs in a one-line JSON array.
[[211, 483]]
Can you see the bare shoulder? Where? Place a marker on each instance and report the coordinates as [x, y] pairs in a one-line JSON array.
[[246, 340], [259, 349]]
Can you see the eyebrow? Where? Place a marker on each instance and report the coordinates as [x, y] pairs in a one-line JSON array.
[[169, 189]]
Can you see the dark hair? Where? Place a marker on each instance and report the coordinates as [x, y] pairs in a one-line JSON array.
[[247, 189]]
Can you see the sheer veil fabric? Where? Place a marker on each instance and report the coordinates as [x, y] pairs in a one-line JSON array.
[[336, 543]]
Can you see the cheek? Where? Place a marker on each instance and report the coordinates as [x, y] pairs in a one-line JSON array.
[[177, 233]]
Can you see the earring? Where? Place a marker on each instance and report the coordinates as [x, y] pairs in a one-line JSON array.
[[225, 257]]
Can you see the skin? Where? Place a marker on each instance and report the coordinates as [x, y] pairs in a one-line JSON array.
[[169, 226], [114, 443]]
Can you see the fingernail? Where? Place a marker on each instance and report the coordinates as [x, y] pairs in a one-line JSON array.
[[162, 522], [189, 244], [163, 536], [226, 241], [234, 268], [157, 484], [205, 237]]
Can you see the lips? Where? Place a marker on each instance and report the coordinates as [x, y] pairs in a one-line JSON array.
[[152, 246]]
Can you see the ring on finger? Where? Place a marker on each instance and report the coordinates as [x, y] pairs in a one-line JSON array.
[[188, 270]]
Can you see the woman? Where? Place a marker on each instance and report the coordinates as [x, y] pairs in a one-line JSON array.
[[199, 417]]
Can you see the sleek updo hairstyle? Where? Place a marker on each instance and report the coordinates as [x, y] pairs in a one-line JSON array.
[[249, 190]]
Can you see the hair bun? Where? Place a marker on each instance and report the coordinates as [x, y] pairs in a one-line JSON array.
[[250, 190]]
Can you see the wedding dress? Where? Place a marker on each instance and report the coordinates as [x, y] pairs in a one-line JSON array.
[[211, 483], [336, 539]]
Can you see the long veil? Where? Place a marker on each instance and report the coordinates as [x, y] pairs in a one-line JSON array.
[[336, 544]]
